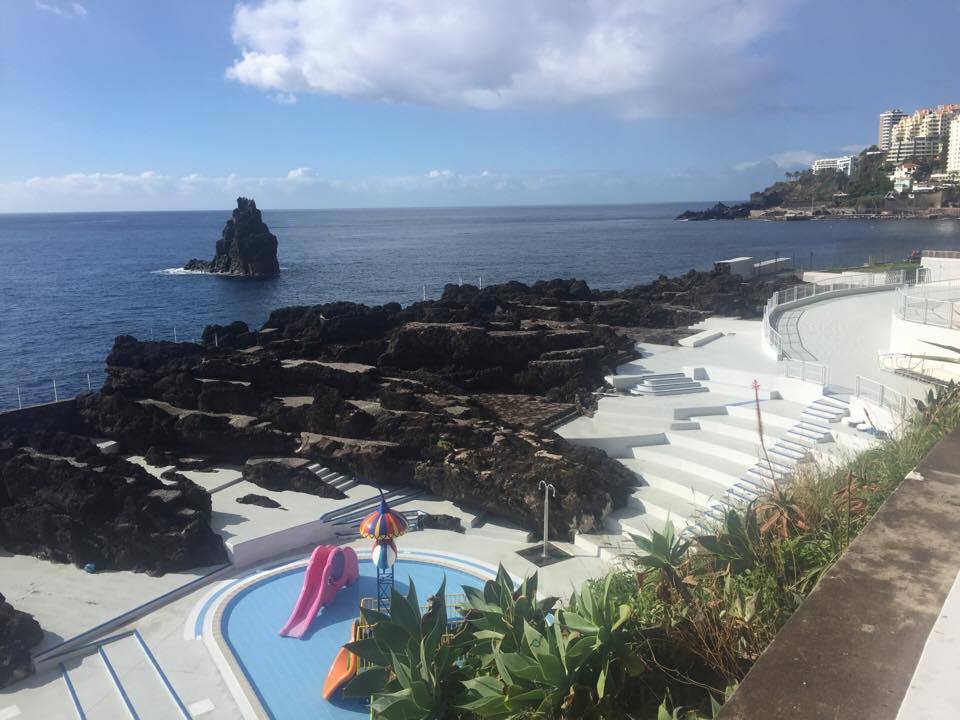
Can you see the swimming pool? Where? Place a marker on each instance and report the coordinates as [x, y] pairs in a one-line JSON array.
[[287, 674]]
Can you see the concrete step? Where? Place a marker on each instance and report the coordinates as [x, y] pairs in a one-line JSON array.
[[683, 483], [606, 546], [762, 474], [836, 401], [727, 447], [686, 390], [777, 414], [140, 680], [642, 525], [787, 454], [662, 376], [736, 427], [98, 695], [661, 503], [718, 469], [665, 382], [816, 414], [831, 407], [805, 437], [775, 465], [815, 427]]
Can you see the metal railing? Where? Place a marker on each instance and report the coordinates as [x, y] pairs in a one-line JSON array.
[[826, 287], [854, 281], [811, 372], [881, 395], [920, 306]]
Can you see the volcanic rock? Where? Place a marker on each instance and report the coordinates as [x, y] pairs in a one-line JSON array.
[[428, 521], [246, 247], [261, 500], [450, 395], [113, 514], [717, 212], [18, 633], [288, 473]]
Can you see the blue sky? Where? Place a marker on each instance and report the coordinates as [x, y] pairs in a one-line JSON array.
[[184, 104]]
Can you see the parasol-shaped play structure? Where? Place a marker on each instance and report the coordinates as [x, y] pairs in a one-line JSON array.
[[383, 526]]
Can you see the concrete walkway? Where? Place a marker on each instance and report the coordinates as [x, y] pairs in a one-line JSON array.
[[861, 646], [846, 333]]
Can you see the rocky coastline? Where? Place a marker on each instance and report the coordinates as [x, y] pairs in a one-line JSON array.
[[455, 396]]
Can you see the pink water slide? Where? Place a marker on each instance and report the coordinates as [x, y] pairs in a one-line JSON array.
[[330, 568]]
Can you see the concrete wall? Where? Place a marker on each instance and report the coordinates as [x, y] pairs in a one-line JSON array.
[[941, 268], [55, 416]]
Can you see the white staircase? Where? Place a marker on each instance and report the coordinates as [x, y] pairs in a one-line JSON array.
[[698, 473], [667, 384]]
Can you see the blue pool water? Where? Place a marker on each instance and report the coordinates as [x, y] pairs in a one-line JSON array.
[[288, 673]]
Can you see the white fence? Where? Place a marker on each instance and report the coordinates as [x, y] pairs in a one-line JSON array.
[[828, 287], [811, 372], [881, 395], [920, 306]]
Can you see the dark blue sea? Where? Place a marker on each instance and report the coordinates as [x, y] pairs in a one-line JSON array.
[[69, 283]]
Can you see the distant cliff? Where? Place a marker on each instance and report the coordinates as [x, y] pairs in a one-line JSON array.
[[246, 247]]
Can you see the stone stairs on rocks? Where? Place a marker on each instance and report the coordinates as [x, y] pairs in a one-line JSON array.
[[332, 478]]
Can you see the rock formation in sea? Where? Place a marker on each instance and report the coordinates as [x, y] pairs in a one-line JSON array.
[[246, 248], [455, 396], [18, 633], [717, 212]]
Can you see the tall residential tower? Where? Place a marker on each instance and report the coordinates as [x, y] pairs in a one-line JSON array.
[[888, 120], [953, 148]]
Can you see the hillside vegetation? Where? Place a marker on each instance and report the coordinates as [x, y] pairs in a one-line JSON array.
[[865, 187]]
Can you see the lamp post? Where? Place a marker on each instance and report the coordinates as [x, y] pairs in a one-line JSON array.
[[548, 490]]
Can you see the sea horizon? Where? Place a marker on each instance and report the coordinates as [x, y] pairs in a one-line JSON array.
[[491, 206]]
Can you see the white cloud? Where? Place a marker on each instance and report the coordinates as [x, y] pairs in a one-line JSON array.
[[748, 165], [305, 187], [793, 159], [68, 12], [658, 57]]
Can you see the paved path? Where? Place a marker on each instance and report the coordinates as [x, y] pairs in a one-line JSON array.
[[852, 648], [845, 333]]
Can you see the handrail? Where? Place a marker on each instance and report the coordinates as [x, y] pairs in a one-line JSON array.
[[881, 395], [827, 286], [920, 307]]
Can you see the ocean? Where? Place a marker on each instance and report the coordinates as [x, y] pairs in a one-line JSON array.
[[69, 283]]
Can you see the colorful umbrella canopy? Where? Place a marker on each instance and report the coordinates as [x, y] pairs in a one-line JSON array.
[[383, 523]]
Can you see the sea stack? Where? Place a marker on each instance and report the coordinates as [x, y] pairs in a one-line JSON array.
[[247, 247]]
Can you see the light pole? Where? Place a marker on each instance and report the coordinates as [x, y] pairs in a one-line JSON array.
[[548, 490]]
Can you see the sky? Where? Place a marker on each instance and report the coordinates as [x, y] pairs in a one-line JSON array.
[[186, 104]]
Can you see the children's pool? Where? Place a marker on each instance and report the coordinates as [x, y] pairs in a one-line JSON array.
[[287, 674]]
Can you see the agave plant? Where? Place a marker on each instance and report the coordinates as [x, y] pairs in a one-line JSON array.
[[562, 668], [663, 552], [780, 513], [499, 613], [734, 547], [414, 673]]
